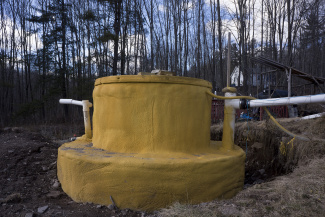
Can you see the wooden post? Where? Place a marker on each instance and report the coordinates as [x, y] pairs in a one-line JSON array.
[[304, 89], [228, 60], [289, 82], [256, 83], [269, 82]]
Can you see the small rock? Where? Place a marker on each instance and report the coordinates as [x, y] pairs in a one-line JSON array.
[[52, 165], [11, 151], [42, 209], [54, 194], [56, 184], [261, 171], [45, 168], [258, 182], [99, 206], [30, 214], [204, 204], [247, 186], [110, 207], [257, 145], [16, 129], [6, 129]]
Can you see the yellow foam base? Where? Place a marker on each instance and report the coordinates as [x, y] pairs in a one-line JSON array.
[[149, 181]]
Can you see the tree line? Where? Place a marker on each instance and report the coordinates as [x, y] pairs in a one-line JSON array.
[[51, 49]]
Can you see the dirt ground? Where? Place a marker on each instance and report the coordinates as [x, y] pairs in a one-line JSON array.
[[29, 186], [28, 181]]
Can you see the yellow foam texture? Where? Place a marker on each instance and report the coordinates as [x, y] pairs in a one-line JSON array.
[[148, 181], [228, 131], [151, 146], [151, 114]]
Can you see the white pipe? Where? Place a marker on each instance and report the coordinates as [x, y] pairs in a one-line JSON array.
[[287, 101], [85, 108], [70, 101], [229, 122], [233, 102], [313, 116]]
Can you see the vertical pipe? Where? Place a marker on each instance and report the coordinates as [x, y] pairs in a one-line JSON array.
[[85, 108], [228, 124]]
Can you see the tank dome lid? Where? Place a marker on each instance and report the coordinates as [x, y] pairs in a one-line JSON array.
[[152, 79]]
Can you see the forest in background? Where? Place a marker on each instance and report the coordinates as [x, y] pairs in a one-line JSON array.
[[52, 49]]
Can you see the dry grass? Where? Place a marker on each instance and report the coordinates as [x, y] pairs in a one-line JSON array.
[[301, 193], [190, 210]]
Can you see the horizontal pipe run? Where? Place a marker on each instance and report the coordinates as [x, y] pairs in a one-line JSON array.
[[246, 103], [70, 101], [84, 103], [287, 101]]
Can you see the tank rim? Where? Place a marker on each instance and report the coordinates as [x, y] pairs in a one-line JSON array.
[[152, 79]]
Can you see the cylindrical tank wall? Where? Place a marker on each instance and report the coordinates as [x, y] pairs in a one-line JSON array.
[[139, 114]]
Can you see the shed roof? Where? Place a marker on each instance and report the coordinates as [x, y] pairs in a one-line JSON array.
[[300, 74]]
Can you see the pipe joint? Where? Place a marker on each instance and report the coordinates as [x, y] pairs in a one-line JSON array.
[[86, 105], [85, 108], [244, 104]]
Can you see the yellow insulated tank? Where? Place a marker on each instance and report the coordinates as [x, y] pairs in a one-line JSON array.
[[151, 146], [150, 114]]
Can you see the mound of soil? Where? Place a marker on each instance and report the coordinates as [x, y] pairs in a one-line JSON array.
[[270, 152]]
